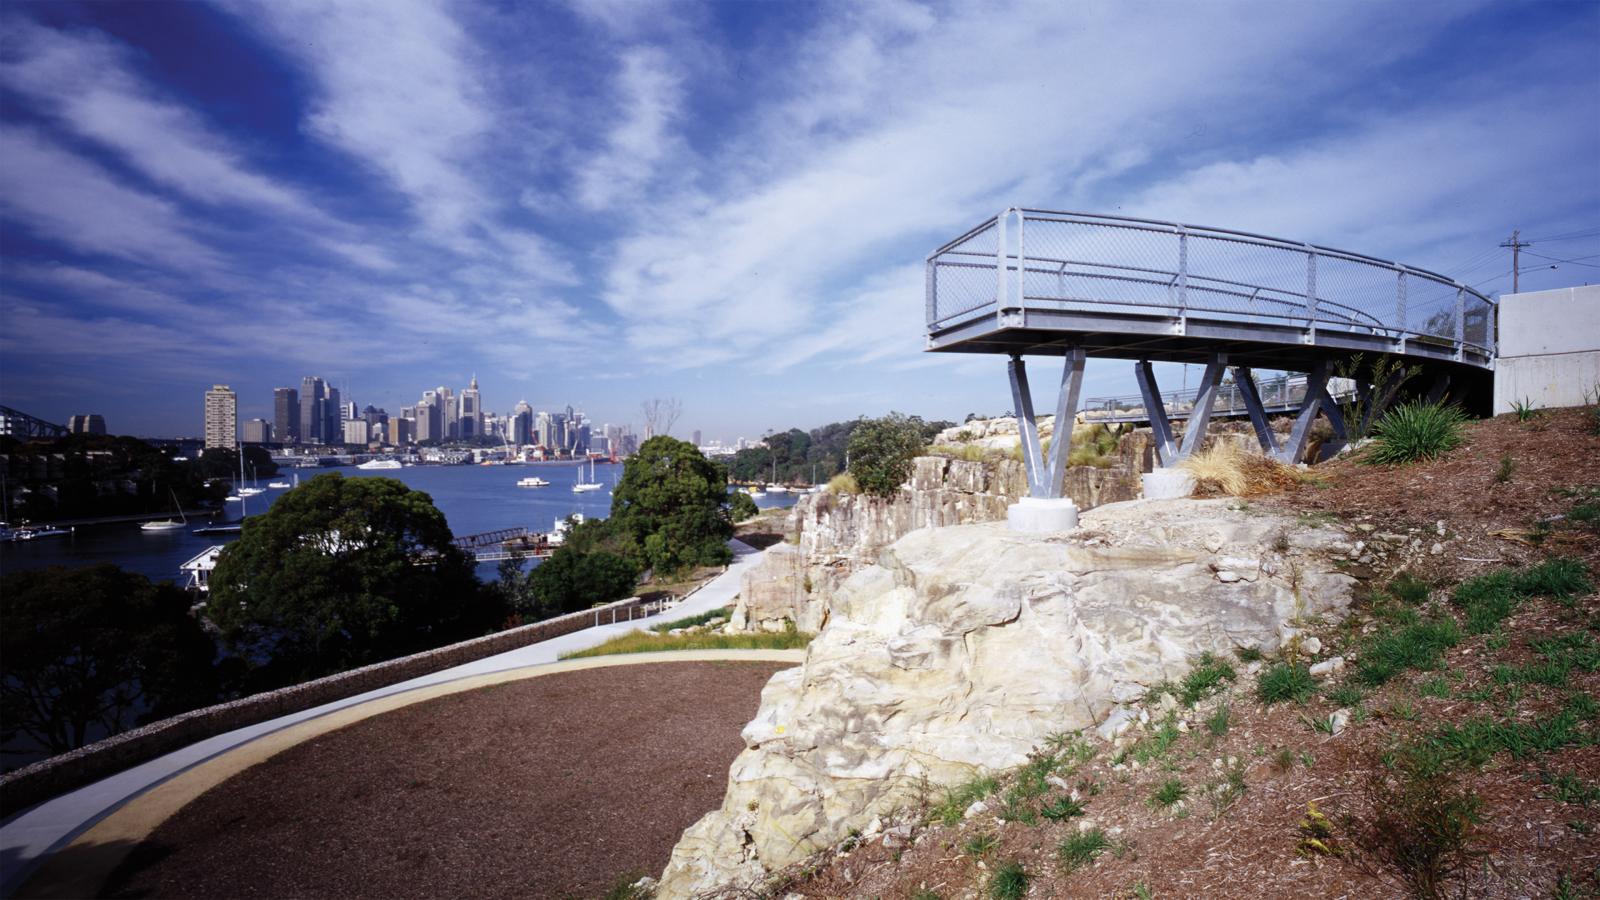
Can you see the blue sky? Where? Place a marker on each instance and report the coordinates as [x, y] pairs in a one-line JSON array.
[[602, 201]]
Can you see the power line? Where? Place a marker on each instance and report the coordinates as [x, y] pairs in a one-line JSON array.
[[1577, 262], [1565, 236], [1516, 244]]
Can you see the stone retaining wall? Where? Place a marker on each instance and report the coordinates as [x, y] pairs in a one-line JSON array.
[[55, 776]]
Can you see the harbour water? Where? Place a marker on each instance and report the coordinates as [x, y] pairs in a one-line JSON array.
[[474, 499]]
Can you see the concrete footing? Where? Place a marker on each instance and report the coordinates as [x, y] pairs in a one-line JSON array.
[[1168, 484], [1034, 515]]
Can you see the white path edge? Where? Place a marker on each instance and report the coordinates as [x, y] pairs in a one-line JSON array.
[[31, 836]]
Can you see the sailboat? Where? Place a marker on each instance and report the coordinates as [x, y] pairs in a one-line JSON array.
[[584, 487], [167, 524]]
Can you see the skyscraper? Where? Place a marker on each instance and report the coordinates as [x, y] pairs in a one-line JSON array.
[[313, 395], [257, 431], [88, 423], [697, 437], [471, 412], [222, 417], [449, 414], [286, 414], [332, 417], [522, 424]]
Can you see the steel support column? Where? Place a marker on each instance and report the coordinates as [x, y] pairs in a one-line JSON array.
[[1341, 431], [1156, 409], [1194, 432], [1251, 395], [1046, 479], [1066, 418], [1439, 389], [1022, 399], [1316, 392]]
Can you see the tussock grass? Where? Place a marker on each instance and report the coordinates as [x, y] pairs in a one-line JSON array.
[[843, 483], [1226, 468], [1490, 599], [956, 799], [1286, 682], [1080, 849], [1009, 881], [1415, 432], [645, 642], [1204, 679], [1417, 644]]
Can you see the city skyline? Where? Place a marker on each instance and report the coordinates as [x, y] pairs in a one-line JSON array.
[[726, 203]]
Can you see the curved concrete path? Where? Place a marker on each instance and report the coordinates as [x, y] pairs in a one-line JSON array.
[[28, 839]]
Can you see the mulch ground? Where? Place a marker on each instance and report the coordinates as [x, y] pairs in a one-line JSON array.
[[549, 787]]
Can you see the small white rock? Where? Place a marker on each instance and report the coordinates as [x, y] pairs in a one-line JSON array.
[[1311, 645], [1227, 576], [1367, 527], [873, 827], [1339, 720], [1183, 726], [1253, 668], [1437, 548], [1439, 527], [1328, 666], [977, 808], [1168, 703]]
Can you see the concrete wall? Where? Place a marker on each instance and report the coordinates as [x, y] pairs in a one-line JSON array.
[[1549, 349]]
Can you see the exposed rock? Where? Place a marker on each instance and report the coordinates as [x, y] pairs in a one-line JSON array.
[[1338, 721], [1311, 645], [1329, 666], [966, 646]]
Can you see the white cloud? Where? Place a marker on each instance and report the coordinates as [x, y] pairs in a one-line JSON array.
[[650, 90], [64, 197]]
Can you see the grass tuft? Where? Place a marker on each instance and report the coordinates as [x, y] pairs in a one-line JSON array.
[[1009, 881], [1417, 644], [1488, 600], [691, 621], [1286, 682], [1204, 679], [843, 483], [1239, 473], [1080, 849], [1168, 793], [956, 799]]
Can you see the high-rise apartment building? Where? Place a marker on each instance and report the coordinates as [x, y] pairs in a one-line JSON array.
[[697, 437], [222, 417], [258, 431], [471, 413], [449, 413], [286, 414], [332, 418], [400, 430], [89, 423], [522, 423], [313, 397], [357, 433], [430, 418]]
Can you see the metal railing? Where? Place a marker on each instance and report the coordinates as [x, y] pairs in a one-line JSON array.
[[1282, 394], [1036, 259]]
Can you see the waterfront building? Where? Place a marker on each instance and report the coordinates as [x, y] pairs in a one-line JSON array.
[[430, 420], [697, 437], [333, 418], [313, 395], [222, 417], [522, 423], [88, 423], [471, 412], [449, 413], [401, 431], [286, 414], [258, 431]]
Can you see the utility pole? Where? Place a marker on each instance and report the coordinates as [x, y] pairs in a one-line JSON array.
[[1516, 244]]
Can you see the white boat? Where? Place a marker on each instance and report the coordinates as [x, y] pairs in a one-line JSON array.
[[168, 524], [755, 493], [532, 481], [380, 464], [249, 491], [584, 487], [232, 498], [277, 485], [777, 489]]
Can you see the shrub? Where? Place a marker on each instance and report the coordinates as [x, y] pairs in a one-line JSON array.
[[881, 451], [741, 507], [1286, 682], [1080, 849], [1168, 792], [1414, 432], [1230, 470], [1423, 822]]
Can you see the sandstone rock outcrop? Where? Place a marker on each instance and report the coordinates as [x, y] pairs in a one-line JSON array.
[[966, 646], [840, 534]]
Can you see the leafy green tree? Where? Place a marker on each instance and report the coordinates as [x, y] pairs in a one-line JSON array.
[[881, 451], [343, 572], [92, 651], [571, 580], [741, 507], [671, 504]]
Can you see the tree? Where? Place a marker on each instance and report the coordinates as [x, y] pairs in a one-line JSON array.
[[671, 504], [571, 580], [741, 507], [90, 652], [660, 415], [881, 451], [342, 572]]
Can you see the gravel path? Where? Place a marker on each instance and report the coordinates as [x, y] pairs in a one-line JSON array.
[[546, 787]]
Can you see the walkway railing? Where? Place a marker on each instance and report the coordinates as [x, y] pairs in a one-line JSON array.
[[1284, 394], [1036, 259]]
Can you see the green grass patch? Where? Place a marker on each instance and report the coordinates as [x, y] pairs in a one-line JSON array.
[[1080, 849], [1561, 655], [1217, 723], [1490, 599], [645, 642], [1475, 741], [1347, 694], [1566, 788], [980, 844], [1009, 881], [1286, 682], [1417, 644], [720, 613], [1205, 679], [1408, 589], [1061, 808]]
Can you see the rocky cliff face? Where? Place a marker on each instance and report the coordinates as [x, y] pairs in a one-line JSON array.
[[964, 647], [839, 534]]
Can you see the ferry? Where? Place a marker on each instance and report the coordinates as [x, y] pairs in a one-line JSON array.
[[381, 464], [278, 485], [532, 481]]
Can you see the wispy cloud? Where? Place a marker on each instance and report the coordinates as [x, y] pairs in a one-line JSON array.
[[649, 88]]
